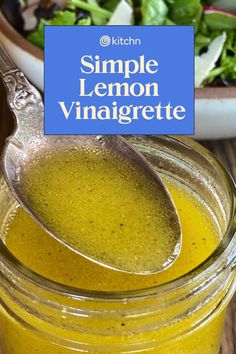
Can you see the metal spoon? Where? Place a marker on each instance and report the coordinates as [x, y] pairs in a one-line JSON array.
[[28, 142]]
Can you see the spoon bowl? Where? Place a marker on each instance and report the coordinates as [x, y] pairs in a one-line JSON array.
[[28, 143]]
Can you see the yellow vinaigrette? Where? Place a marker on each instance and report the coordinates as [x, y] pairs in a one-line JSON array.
[[41, 253], [105, 207], [183, 317]]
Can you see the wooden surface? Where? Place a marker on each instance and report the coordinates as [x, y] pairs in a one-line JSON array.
[[226, 152]]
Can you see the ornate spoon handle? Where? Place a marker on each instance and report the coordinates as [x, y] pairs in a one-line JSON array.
[[23, 99]]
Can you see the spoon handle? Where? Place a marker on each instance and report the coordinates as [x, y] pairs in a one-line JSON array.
[[23, 99]]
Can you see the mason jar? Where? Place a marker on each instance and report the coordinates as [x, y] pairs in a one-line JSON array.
[[184, 316]]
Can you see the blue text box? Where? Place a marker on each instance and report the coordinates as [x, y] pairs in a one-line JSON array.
[[119, 80]]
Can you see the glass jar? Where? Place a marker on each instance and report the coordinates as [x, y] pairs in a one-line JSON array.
[[183, 316]]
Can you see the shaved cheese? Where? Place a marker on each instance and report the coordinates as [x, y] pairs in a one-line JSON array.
[[207, 61], [122, 15], [30, 20]]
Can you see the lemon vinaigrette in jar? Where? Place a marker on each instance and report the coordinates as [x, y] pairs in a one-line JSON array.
[[56, 302]]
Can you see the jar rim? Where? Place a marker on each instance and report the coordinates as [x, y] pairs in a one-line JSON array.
[[194, 274]]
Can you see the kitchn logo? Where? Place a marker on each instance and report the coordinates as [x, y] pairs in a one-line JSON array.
[[105, 41]]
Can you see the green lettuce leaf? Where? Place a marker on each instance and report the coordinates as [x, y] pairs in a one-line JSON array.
[[154, 12], [184, 12], [228, 58], [60, 18]]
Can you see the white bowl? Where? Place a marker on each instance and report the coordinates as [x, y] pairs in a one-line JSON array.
[[215, 113], [215, 108], [26, 56]]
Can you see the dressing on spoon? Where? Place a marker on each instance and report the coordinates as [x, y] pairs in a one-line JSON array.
[[102, 205]]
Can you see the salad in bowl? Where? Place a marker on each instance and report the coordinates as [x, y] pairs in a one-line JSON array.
[[215, 25]]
